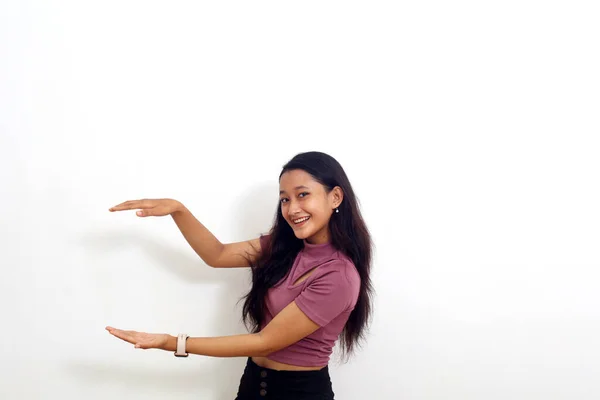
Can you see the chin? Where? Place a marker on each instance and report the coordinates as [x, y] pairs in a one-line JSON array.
[[301, 235]]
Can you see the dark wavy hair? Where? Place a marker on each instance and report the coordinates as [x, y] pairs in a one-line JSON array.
[[349, 234]]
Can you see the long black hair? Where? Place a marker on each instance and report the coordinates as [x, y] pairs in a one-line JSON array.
[[349, 234]]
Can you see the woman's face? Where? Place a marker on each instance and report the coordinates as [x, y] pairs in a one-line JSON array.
[[306, 205]]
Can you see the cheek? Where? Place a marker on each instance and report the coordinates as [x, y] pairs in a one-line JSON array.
[[316, 209]]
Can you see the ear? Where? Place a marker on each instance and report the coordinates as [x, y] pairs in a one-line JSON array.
[[337, 196]]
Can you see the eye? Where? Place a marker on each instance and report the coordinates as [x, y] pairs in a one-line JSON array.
[[282, 200], [303, 194]]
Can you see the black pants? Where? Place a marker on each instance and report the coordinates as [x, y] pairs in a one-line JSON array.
[[258, 383]]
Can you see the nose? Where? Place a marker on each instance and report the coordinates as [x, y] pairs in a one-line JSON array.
[[293, 209]]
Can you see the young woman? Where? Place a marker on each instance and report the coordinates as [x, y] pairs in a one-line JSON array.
[[310, 283]]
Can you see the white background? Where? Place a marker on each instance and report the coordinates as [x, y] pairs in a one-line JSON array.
[[468, 129]]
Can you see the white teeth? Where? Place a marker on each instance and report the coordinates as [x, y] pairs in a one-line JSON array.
[[297, 221]]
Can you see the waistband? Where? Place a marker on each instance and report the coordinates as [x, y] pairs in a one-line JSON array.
[[257, 369]]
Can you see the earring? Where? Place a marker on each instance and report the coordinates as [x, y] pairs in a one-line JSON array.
[[337, 210]]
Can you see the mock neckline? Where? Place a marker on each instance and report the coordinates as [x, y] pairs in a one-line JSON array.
[[318, 250]]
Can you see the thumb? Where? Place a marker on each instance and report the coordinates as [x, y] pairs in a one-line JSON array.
[[144, 213]]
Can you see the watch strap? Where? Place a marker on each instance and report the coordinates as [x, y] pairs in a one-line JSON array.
[[181, 341]]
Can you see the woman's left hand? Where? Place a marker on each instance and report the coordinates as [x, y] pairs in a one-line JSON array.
[[141, 340]]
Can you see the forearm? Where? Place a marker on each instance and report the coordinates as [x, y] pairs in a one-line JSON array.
[[248, 345], [204, 243]]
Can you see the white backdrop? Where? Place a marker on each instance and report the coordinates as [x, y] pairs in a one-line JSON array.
[[468, 129]]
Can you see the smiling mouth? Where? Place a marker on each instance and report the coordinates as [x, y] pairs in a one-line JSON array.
[[300, 220]]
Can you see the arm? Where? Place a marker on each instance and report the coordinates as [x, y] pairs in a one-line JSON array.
[[208, 247], [204, 243], [288, 327], [320, 302]]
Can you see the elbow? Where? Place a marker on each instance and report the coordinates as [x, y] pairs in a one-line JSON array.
[[263, 348], [265, 353], [213, 262]]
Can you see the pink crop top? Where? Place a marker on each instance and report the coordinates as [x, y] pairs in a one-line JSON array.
[[327, 297]]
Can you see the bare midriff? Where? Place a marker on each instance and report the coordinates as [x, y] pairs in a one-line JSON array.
[[266, 363]]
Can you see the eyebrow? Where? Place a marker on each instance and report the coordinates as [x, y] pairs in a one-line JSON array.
[[296, 188]]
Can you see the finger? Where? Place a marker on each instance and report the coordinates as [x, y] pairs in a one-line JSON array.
[[127, 205], [123, 335], [130, 205]]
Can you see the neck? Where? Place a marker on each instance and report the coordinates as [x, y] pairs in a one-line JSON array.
[[319, 238]]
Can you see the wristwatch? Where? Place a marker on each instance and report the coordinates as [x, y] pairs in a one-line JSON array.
[[181, 340]]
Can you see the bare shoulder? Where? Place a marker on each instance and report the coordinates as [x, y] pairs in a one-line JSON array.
[[238, 254]]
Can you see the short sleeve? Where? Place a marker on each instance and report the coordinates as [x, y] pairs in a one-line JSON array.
[[327, 296]]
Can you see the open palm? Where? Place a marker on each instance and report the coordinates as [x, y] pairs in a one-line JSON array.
[[141, 340], [149, 207]]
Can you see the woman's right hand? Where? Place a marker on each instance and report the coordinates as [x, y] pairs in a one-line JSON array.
[[149, 207]]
